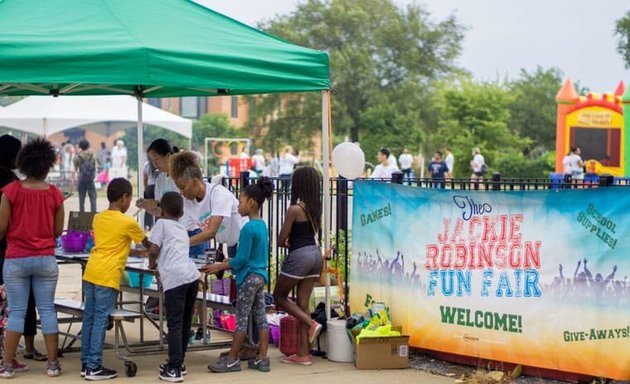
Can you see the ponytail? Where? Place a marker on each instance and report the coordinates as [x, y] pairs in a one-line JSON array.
[[261, 191]]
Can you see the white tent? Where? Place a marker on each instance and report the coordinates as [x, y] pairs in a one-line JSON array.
[[45, 115]]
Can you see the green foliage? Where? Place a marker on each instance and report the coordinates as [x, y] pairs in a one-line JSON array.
[[485, 114], [533, 111], [279, 120], [388, 126], [475, 115], [518, 165], [150, 133], [622, 30], [383, 60], [344, 250], [213, 125]]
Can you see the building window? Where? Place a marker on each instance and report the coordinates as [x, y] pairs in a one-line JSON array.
[[190, 107], [155, 101], [203, 106], [234, 109]]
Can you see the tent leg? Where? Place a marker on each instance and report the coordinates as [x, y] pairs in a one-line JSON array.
[[140, 155], [326, 184]]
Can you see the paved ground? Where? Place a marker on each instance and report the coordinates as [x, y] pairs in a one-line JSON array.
[[322, 371]]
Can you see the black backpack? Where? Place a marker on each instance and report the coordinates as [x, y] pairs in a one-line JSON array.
[[87, 169]]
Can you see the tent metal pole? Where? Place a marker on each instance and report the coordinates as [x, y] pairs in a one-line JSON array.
[[326, 184], [140, 147]]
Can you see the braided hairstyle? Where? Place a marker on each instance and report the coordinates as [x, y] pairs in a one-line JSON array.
[[306, 189], [262, 190]]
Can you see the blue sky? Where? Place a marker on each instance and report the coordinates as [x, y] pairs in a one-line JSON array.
[[507, 35]]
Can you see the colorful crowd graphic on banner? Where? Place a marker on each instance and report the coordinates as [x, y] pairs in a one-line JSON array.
[[538, 278]]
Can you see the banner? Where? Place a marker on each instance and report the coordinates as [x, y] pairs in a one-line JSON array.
[[538, 278]]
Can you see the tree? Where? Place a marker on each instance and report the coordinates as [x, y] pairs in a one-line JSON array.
[[388, 127], [533, 111], [622, 30], [381, 56], [213, 125], [279, 120], [476, 115]]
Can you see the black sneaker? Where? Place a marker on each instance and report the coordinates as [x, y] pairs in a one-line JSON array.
[[83, 369], [173, 375], [164, 366], [100, 373]]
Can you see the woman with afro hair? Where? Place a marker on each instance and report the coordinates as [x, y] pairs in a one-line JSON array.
[[31, 217]]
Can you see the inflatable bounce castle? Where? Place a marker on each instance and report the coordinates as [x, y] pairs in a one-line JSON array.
[[597, 125]]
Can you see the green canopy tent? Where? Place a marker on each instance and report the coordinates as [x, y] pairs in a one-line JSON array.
[[151, 48]]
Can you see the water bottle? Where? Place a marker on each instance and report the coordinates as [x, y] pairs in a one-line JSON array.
[[90, 244]]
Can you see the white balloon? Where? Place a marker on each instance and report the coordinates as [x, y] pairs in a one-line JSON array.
[[349, 160]]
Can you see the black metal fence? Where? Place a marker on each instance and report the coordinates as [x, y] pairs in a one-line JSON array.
[[340, 189]]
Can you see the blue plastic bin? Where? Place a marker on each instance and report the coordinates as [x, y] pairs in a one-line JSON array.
[[134, 280]]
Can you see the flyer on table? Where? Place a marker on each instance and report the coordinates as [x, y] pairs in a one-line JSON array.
[[538, 278]]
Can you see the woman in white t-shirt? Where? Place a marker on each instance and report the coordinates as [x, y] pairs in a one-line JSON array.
[[211, 207]]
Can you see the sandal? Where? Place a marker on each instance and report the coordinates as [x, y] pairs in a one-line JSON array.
[[36, 356]]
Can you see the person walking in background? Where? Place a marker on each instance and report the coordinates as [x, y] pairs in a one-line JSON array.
[[103, 155], [478, 165], [450, 163], [303, 264], [383, 170], [119, 161], [35, 212], [274, 165], [259, 162], [406, 163], [438, 170], [65, 165], [85, 164], [286, 165]]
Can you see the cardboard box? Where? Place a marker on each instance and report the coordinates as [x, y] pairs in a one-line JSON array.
[[382, 352]]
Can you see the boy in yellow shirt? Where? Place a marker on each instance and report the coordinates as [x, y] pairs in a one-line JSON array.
[[113, 233]]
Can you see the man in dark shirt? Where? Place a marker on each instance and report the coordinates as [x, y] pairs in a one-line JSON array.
[[438, 169]]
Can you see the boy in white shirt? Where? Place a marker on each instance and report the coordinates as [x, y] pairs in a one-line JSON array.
[[384, 170], [180, 279]]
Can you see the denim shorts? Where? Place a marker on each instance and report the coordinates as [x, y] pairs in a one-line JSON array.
[[303, 263]]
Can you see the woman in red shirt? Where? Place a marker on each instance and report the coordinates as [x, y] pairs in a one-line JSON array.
[[31, 217]]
